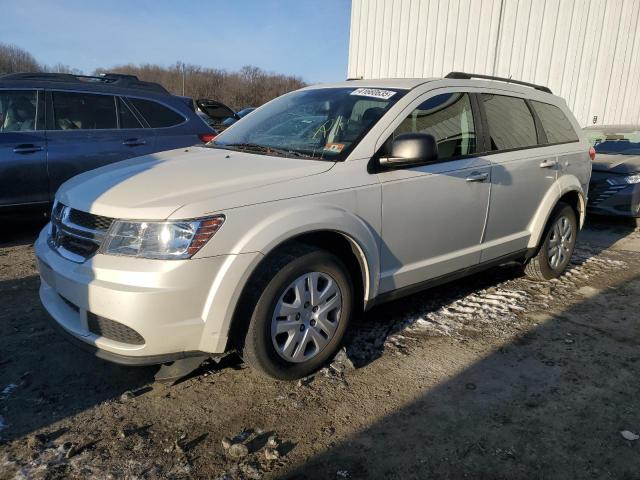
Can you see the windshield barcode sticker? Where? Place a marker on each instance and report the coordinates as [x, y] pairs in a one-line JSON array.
[[374, 92]]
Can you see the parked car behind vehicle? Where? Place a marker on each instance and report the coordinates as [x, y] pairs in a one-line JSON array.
[[219, 116], [615, 182], [54, 126], [323, 202], [214, 113]]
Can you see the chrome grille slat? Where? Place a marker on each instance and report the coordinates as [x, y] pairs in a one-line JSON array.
[[77, 235]]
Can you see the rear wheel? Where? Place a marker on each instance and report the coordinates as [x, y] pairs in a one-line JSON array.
[[301, 314], [557, 246]]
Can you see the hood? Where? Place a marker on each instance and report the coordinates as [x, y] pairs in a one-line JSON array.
[[620, 164], [154, 186]]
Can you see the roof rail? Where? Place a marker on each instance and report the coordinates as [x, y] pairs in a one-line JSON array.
[[115, 79], [468, 76]]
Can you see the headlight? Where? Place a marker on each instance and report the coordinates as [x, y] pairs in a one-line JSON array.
[[630, 180], [160, 240]]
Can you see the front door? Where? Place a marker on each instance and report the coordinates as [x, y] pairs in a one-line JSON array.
[[433, 215], [23, 148]]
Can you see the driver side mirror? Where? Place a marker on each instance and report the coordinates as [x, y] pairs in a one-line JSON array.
[[411, 149]]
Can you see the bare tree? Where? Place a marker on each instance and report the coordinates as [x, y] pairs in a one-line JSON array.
[[14, 59], [251, 86], [61, 68]]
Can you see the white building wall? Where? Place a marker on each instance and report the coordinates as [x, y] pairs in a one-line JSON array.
[[587, 51]]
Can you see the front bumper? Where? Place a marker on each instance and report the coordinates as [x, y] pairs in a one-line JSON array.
[[618, 200], [179, 308]]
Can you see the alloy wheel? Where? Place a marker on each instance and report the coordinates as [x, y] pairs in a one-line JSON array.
[[560, 243]]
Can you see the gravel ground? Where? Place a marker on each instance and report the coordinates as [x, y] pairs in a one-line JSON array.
[[492, 376]]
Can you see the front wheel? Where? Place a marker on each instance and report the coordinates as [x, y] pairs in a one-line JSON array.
[[557, 245], [301, 314]]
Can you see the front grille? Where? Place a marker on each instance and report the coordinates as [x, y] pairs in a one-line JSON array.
[[75, 234], [112, 330], [600, 192], [90, 221]]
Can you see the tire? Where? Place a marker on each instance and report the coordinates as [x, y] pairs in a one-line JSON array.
[[317, 325], [550, 261]]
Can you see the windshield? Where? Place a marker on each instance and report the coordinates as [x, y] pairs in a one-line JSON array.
[[324, 123], [612, 142]]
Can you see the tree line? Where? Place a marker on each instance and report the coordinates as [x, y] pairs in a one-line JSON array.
[[250, 86]]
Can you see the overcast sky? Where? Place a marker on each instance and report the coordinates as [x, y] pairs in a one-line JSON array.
[[309, 38]]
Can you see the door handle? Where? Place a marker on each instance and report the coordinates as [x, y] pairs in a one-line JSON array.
[[134, 142], [27, 148], [477, 177], [548, 164]]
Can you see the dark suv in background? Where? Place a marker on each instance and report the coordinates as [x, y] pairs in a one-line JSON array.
[[55, 126]]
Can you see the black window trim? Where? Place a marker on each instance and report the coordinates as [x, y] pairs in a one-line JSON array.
[[185, 119]]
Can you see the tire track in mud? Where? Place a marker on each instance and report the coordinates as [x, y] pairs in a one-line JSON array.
[[492, 303]]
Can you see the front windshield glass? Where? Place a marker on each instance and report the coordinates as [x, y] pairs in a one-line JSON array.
[[615, 142], [324, 123]]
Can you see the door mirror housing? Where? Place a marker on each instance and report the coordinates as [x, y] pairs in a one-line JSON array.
[[411, 149]]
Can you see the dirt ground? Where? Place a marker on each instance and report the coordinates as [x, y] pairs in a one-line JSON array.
[[489, 377]]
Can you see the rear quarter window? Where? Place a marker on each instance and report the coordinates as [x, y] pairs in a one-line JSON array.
[[555, 124], [511, 124], [156, 115]]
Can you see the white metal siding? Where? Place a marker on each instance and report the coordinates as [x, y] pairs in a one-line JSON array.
[[587, 51]]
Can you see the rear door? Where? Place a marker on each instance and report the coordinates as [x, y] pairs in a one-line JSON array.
[[23, 166], [83, 133], [573, 157], [521, 172]]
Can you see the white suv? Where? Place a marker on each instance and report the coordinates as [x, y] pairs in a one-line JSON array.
[[325, 201]]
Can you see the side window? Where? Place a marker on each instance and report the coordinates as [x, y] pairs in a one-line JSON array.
[[448, 117], [555, 124], [127, 118], [156, 115], [83, 111], [18, 110], [511, 124]]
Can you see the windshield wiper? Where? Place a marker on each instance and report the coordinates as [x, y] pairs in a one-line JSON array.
[[256, 148]]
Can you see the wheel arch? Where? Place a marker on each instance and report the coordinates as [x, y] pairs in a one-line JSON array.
[[351, 237], [566, 189], [341, 244]]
